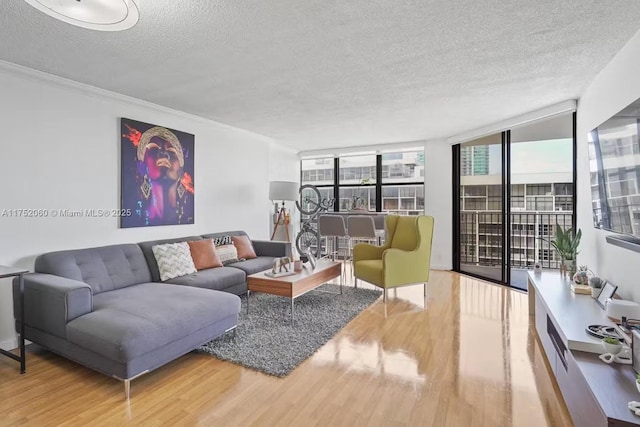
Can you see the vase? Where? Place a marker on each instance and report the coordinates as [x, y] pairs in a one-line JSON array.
[[568, 268]]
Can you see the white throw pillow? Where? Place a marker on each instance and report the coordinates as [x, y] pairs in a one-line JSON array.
[[228, 254], [174, 260]]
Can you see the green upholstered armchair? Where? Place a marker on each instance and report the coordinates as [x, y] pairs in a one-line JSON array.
[[405, 257]]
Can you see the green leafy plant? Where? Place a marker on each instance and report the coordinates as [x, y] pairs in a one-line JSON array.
[[638, 377], [566, 243], [611, 340]]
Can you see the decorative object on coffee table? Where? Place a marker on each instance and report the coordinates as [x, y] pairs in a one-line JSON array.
[[281, 265], [311, 259], [269, 345]]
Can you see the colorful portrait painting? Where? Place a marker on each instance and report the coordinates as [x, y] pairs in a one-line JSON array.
[[157, 175]]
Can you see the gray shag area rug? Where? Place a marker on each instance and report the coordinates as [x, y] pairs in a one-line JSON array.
[[263, 341]]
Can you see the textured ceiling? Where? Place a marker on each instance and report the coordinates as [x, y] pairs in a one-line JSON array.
[[325, 73]]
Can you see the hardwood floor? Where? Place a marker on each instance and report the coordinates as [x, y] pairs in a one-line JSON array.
[[464, 355]]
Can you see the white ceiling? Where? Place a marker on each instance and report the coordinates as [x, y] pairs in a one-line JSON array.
[[324, 73]]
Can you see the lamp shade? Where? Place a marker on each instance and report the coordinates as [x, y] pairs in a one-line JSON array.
[[283, 190]]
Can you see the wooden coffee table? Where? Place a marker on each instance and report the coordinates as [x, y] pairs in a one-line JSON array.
[[295, 285]]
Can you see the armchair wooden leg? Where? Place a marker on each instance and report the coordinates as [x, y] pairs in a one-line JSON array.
[[384, 295], [355, 281], [425, 289]]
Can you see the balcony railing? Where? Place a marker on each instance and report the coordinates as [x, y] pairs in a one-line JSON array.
[[530, 234]]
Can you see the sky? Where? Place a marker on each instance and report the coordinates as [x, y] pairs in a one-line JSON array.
[[553, 155]]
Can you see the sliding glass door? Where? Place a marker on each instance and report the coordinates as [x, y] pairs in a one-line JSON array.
[[481, 207], [512, 192]]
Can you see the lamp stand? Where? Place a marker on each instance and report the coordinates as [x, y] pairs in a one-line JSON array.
[[281, 215]]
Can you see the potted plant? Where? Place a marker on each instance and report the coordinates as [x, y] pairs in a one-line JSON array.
[[595, 283], [612, 345], [566, 245]]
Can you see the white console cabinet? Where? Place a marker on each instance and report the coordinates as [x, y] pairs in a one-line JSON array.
[[595, 393]]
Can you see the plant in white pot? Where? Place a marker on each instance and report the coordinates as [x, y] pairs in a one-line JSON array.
[[566, 245], [595, 283], [612, 345]]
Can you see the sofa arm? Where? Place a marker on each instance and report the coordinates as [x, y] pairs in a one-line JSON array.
[[50, 302], [271, 248]]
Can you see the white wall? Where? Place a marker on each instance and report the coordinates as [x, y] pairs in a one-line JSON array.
[[438, 197], [614, 88], [60, 149]]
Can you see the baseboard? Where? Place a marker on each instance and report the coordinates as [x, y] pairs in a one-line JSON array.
[[440, 267], [10, 344]]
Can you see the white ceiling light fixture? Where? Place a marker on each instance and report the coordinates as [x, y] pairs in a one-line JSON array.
[[101, 15]]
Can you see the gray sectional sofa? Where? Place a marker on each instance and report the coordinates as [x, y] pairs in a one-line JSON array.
[[106, 308]]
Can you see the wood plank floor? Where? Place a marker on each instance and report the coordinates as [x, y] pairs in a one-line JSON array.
[[465, 355]]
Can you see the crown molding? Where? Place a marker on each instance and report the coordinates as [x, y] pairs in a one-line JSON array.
[[85, 89]]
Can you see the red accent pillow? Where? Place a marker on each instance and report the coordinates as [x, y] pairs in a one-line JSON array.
[[244, 247]]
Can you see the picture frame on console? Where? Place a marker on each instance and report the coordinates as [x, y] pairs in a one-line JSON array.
[[607, 291]]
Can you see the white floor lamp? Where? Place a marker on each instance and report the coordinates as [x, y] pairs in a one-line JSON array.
[[282, 191]]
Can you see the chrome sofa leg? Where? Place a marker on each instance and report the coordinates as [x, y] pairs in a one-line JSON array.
[[127, 383], [384, 297], [425, 289]]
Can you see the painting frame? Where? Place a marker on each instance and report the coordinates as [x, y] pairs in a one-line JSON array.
[[157, 175]]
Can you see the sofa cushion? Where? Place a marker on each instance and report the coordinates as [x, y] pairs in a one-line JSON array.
[[228, 254], [214, 278], [204, 254], [151, 259], [370, 271], [255, 265], [244, 247], [130, 322], [103, 268]]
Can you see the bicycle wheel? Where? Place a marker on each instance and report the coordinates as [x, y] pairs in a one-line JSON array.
[[308, 240], [309, 200]]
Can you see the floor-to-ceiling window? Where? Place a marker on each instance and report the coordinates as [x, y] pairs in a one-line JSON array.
[[357, 179], [533, 167], [390, 181], [402, 182]]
